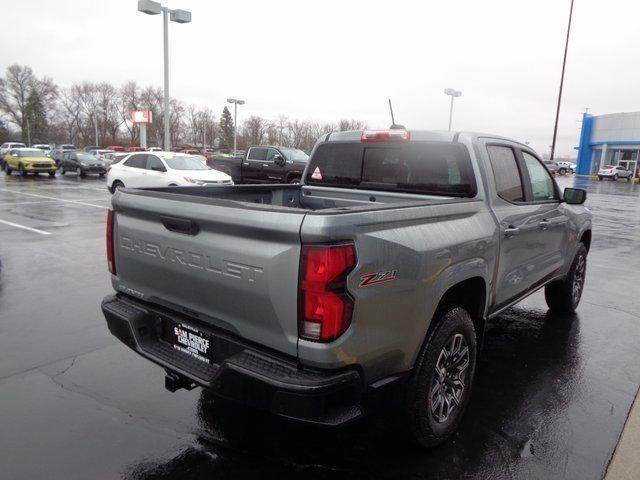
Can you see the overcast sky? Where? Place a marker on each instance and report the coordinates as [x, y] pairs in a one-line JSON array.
[[326, 60]]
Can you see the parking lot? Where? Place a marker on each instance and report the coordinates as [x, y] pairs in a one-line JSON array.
[[551, 397]]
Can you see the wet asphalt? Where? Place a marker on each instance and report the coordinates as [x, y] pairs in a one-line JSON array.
[[551, 397]]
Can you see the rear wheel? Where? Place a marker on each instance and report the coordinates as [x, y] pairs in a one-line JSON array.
[[564, 295], [562, 171], [439, 389], [7, 169]]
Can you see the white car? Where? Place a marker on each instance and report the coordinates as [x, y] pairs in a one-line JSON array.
[[5, 147], [100, 152], [45, 147], [614, 172], [566, 167], [163, 169]]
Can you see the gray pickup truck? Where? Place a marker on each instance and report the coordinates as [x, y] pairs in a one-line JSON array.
[[376, 275]]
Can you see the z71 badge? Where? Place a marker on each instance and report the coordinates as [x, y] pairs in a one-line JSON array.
[[378, 277]]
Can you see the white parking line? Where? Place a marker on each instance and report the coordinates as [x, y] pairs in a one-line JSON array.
[[24, 227], [53, 198], [38, 202]]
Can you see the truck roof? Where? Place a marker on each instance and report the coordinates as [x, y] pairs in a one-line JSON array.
[[416, 135]]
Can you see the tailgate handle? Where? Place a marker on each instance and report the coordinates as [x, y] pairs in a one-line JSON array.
[[179, 225]]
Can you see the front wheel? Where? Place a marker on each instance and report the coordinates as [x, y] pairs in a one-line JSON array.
[[562, 171], [564, 295], [116, 185], [615, 177], [22, 171], [7, 169], [81, 172], [439, 389], [52, 174]]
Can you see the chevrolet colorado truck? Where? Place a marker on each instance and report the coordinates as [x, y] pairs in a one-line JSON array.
[[376, 274]]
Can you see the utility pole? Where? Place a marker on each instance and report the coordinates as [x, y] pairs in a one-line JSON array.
[[564, 63]]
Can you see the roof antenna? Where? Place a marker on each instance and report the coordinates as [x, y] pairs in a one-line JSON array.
[[394, 126]]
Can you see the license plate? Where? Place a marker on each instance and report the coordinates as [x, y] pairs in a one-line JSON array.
[[189, 340]]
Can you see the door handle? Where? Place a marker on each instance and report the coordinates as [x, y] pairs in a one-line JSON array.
[[179, 225], [511, 231], [544, 224]]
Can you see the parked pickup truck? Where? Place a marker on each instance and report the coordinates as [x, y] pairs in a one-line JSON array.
[[264, 165], [374, 276]]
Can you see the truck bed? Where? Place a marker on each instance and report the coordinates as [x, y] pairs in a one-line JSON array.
[[298, 197]]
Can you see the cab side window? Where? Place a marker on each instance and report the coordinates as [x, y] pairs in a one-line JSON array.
[[137, 161], [271, 153], [506, 173], [541, 183]]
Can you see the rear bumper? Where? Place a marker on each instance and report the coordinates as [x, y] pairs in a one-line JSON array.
[[240, 371]]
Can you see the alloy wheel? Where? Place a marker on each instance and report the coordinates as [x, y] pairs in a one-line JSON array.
[[578, 279], [448, 384]]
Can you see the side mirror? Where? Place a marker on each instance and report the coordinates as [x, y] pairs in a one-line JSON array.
[[575, 196], [278, 159]]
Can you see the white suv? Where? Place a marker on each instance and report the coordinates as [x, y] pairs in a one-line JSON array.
[[163, 169], [614, 172]]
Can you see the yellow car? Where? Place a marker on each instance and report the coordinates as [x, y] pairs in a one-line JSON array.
[[28, 160]]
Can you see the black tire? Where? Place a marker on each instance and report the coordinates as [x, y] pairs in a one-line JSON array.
[[7, 169], [81, 173], [615, 177], [52, 174], [599, 178], [294, 180], [430, 388], [115, 185], [101, 175], [564, 295], [22, 171], [562, 171]]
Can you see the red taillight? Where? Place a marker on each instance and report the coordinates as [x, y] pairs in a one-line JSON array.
[[110, 261], [325, 306], [385, 136]]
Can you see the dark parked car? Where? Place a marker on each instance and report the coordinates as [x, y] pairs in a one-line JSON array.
[[264, 165], [57, 153], [82, 163]]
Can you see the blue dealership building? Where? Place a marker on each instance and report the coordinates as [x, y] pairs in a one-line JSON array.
[[612, 139]]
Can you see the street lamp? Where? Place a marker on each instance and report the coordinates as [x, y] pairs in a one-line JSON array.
[[235, 102], [453, 93], [179, 16]]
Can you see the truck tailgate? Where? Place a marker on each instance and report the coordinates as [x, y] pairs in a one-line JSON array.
[[231, 267]]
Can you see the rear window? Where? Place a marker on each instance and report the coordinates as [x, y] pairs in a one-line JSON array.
[[436, 168]]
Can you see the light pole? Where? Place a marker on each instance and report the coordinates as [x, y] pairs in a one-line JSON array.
[[235, 102], [564, 63], [179, 16], [453, 93]]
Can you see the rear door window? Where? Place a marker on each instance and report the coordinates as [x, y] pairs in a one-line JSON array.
[[506, 173], [257, 154], [137, 161]]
